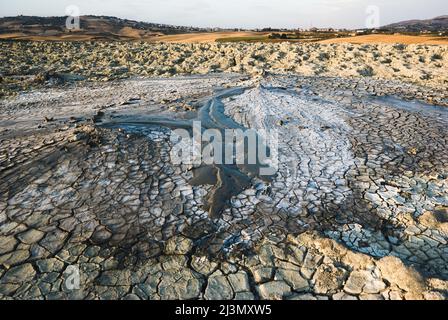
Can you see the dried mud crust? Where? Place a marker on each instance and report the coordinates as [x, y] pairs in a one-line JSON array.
[[25, 65], [358, 209]]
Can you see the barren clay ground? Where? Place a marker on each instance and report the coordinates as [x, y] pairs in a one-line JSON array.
[[389, 38], [357, 208]]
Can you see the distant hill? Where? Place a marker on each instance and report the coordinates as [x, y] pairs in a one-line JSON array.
[[435, 24], [92, 28]]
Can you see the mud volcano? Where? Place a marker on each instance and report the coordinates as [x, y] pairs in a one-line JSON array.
[[93, 184]]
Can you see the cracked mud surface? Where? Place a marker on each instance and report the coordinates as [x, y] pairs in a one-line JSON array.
[[358, 208], [33, 64]]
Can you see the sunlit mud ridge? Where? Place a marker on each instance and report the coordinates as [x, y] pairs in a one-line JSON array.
[[358, 208]]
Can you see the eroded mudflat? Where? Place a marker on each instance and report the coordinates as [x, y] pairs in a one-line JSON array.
[[357, 208]]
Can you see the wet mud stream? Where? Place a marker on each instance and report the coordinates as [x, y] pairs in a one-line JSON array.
[[227, 178]]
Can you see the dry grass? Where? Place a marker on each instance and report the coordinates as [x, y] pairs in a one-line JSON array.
[[204, 37], [260, 36], [385, 38], [229, 36]]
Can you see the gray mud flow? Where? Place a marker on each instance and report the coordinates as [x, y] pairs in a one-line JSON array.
[[228, 178], [416, 106]]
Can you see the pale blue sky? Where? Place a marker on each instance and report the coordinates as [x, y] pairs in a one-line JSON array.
[[238, 13]]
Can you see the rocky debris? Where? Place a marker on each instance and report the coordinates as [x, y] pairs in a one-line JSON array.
[[19, 275]]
